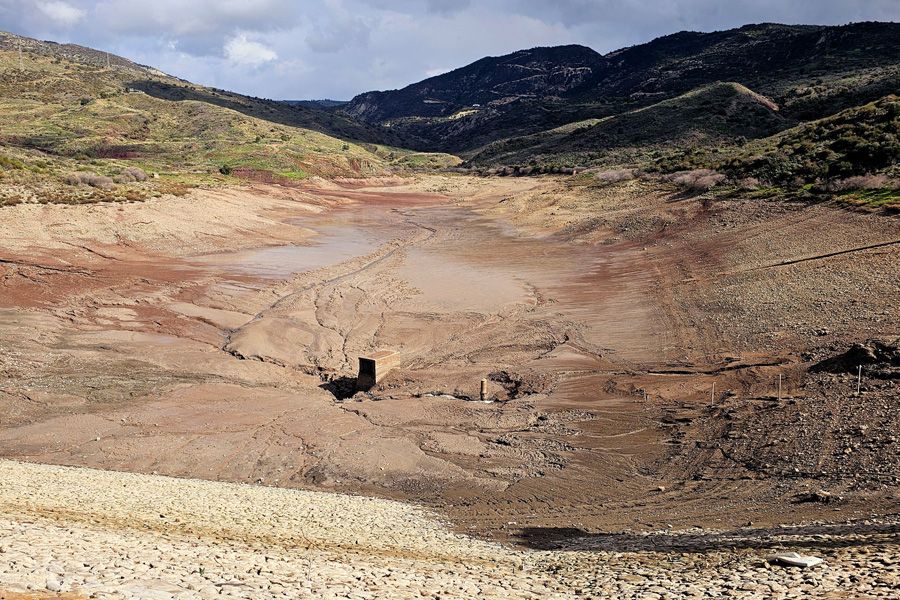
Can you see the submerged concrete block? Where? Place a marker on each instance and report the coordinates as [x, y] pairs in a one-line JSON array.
[[374, 367]]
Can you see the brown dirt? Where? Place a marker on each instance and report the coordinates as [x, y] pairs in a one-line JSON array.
[[217, 336]]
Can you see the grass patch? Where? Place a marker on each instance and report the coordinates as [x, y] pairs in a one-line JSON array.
[[884, 198]]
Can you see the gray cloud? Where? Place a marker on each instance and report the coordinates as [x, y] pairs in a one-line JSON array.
[[337, 48], [338, 28]]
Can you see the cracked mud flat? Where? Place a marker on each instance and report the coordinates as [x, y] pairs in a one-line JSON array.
[[216, 337]]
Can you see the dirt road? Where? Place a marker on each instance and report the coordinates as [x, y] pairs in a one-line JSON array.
[[217, 336]]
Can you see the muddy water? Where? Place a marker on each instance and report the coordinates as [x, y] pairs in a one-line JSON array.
[[450, 284], [330, 244], [470, 263], [476, 263]]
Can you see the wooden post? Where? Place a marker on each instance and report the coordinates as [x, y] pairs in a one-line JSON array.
[[483, 394], [779, 386], [712, 394]]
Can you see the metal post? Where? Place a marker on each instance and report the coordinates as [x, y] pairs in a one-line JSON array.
[[779, 386], [712, 394], [483, 390], [859, 381]]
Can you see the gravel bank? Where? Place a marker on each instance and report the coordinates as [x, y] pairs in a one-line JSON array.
[[120, 535]]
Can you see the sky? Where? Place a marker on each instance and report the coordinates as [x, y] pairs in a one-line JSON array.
[[304, 49]]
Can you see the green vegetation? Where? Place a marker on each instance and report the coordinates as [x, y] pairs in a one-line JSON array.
[[716, 114], [856, 141], [853, 156], [699, 143], [877, 198], [74, 130], [424, 161], [809, 71]]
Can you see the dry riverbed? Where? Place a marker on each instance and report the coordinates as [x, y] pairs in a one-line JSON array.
[[632, 339]]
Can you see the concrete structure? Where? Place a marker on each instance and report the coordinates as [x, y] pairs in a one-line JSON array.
[[374, 367]]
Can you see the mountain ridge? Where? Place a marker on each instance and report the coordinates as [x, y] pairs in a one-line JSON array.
[[778, 61]]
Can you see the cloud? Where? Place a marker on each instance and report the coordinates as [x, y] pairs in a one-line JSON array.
[[198, 17], [338, 29], [61, 13], [438, 71], [446, 7], [241, 51]]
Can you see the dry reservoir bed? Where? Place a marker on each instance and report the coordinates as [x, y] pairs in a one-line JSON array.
[[101, 534], [632, 340]]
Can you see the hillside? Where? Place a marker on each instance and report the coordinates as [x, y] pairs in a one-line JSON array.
[[77, 124], [324, 103], [538, 72], [713, 114], [854, 155], [857, 141], [100, 72], [810, 71]]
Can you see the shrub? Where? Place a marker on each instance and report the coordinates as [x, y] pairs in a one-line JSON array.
[[225, 170], [865, 182], [749, 183], [615, 176], [131, 174], [92, 179], [11, 163], [698, 180]]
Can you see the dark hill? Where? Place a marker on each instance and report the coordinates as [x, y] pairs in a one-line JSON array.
[[710, 115], [536, 73], [810, 71]]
